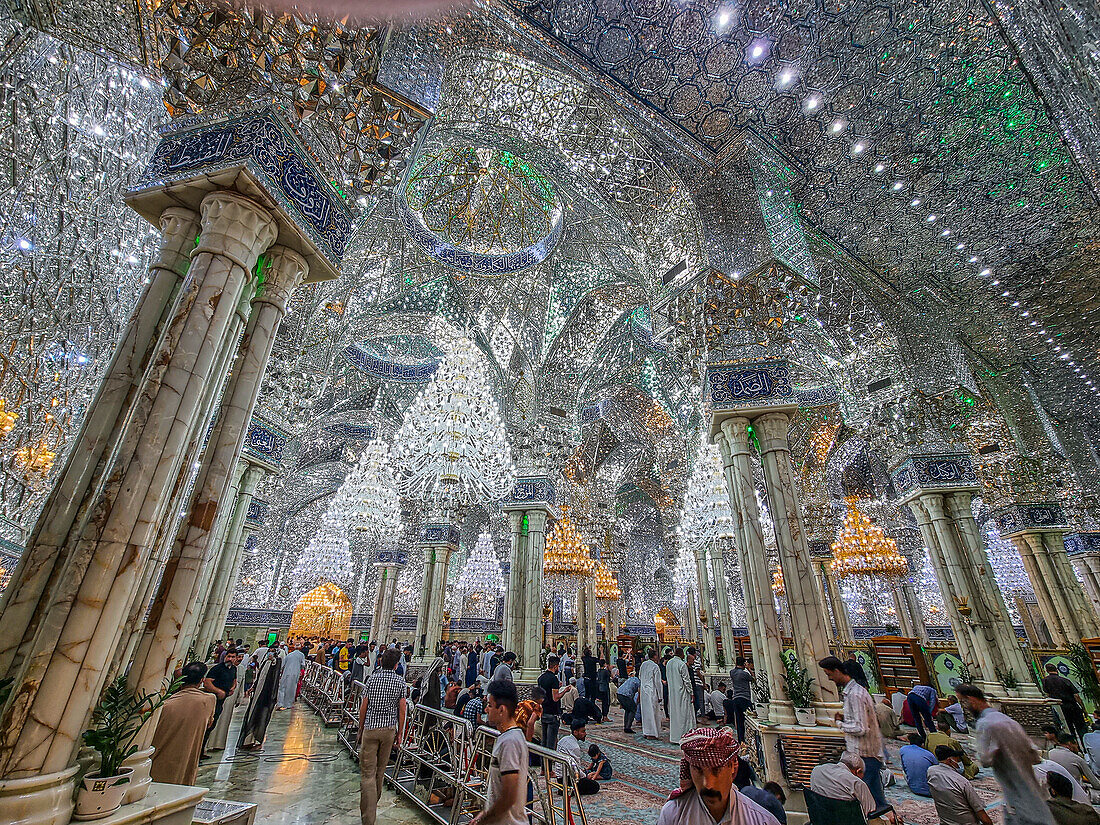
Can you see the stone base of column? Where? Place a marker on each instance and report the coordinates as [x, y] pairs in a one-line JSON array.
[[38, 800], [140, 780], [1032, 714], [789, 754]]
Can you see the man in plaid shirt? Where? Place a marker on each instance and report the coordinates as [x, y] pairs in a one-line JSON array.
[[381, 717]]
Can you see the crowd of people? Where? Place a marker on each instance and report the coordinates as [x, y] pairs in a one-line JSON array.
[[663, 694]]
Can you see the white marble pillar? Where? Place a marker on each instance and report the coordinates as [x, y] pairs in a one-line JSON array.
[[969, 589], [721, 594], [383, 602], [93, 448], [1088, 566], [533, 604], [808, 623], [429, 616], [281, 271], [207, 615], [842, 620], [1066, 610], [706, 614], [913, 609], [514, 608], [764, 632], [83, 616]]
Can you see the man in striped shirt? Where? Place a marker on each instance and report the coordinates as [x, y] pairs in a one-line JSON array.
[[859, 723], [381, 716]]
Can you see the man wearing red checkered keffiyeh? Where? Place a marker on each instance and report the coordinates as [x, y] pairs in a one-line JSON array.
[[706, 795]]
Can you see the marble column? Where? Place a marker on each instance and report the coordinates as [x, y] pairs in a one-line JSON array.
[[1087, 565], [515, 612], [974, 603], [281, 270], [94, 446], [808, 622], [83, 616], [913, 610], [706, 615], [438, 542], [721, 594], [211, 606], [1065, 608], [586, 615], [764, 632], [533, 604], [842, 621], [383, 602]]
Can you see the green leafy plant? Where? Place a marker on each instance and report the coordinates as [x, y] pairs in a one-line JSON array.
[[1081, 669], [117, 720], [965, 676], [798, 684], [1007, 678], [720, 656]]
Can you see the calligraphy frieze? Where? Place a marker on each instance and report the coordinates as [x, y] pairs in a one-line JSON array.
[[752, 384], [1018, 518], [265, 441], [397, 558], [390, 370], [257, 513], [266, 145], [934, 472], [537, 490], [1080, 543], [440, 534]]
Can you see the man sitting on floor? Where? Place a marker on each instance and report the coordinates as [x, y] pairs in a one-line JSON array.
[[572, 747], [915, 761], [843, 781], [1063, 809], [942, 736], [957, 803]]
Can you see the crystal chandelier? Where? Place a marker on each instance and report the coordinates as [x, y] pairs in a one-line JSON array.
[[7, 417], [684, 578], [863, 549], [606, 585], [374, 508], [327, 557], [706, 514], [482, 573], [451, 448], [567, 562]]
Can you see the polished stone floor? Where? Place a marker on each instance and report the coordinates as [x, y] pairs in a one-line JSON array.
[[302, 777]]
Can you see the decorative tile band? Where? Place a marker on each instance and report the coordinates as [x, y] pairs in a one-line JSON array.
[[257, 513], [265, 441], [731, 386], [266, 145], [393, 557], [1079, 543], [1016, 518], [389, 370], [820, 549], [440, 534], [535, 490], [945, 471]]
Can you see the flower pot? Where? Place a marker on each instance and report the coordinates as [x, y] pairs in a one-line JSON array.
[[138, 786], [806, 717], [762, 712], [100, 796], [38, 800]]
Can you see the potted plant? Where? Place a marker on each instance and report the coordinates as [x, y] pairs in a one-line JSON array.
[[761, 695], [800, 690], [116, 722]]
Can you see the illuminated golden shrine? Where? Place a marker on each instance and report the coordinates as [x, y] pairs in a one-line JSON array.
[[323, 611]]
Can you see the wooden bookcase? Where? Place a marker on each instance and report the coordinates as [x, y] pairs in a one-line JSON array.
[[901, 664]]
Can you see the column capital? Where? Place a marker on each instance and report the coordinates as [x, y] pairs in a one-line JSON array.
[[235, 227], [284, 269], [771, 429], [179, 227], [536, 521], [515, 520], [736, 430]]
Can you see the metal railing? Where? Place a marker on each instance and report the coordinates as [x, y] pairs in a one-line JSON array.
[[349, 724], [442, 768]]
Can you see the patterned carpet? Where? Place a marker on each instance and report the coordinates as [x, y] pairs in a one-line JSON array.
[[646, 770]]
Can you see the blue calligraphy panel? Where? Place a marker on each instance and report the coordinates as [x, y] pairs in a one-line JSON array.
[[390, 370], [390, 557], [265, 441], [538, 490], [262, 142], [1077, 543], [257, 513], [934, 471], [1019, 517], [246, 617], [756, 384], [440, 534]]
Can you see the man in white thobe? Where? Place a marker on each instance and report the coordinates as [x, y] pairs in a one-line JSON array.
[[681, 704], [288, 681], [651, 690]]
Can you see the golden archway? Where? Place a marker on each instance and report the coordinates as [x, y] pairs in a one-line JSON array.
[[323, 611]]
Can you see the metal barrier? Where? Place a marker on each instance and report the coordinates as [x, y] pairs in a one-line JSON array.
[[311, 683], [442, 768], [331, 702], [349, 725]]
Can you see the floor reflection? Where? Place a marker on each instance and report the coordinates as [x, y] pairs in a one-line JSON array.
[[303, 777]]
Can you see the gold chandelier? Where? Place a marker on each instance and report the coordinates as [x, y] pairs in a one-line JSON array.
[[863, 549], [607, 586], [566, 553], [777, 582]]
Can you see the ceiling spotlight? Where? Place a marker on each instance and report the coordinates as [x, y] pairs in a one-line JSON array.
[[915, 202], [812, 102], [879, 168], [931, 219], [786, 78], [757, 50], [838, 126], [858, 148], [898, 186]]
